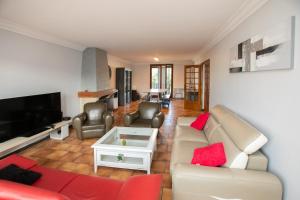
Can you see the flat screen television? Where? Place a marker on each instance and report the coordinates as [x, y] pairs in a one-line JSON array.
[[29, 115]]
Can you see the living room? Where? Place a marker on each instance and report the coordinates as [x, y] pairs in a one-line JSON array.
[[135, 59]]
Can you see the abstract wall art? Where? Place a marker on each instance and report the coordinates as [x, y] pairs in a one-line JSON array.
[[272, 49]]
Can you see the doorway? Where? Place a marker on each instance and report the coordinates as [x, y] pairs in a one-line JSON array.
[[161, 77], [196, 86]]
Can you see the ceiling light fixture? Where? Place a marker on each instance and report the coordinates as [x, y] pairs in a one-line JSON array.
[[156, 59]]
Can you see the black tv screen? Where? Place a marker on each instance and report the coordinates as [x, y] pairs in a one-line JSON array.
[[29, 115]]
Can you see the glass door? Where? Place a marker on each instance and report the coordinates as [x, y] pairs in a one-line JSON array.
[[192, 87], [161, 77]]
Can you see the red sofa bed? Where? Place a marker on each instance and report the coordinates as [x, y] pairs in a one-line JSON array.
[[61, 185]]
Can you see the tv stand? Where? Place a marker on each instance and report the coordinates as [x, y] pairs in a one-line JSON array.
[[60, 130], [18, 143]]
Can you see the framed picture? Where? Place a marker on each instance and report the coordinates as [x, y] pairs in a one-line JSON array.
[[273, 49]]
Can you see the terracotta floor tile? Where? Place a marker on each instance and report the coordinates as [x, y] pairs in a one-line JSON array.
[[162, 148], [158, 166], [70, 157], [163, 156], [53, 164], [85, 158], [167, 194], [56, 155], [121, 174], [167, 180], [105, 171]]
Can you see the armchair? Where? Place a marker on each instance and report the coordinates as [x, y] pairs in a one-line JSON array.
[[147, 115], [95, 121]]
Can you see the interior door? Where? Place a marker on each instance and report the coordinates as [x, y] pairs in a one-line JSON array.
[[192, 87]]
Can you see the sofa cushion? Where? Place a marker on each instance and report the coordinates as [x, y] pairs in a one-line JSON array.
[[200, 122], [141, 187], [52, 179], [15, 191], [235, 157], [189, 134], [185, 121], [210, 126], [212, 155], [92, 188], [17, 160], [182, 151], [245, 136]]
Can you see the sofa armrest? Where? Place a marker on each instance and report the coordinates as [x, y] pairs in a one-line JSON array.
[[109, 120], [15, 191], [146, 187], [77, 122], [207, 183], [129, 118], [158, 120]]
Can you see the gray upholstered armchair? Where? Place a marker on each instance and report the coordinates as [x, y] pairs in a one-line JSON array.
[[95, 121], [147, 115]]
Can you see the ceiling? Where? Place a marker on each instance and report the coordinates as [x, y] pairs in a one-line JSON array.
[[135, 30]]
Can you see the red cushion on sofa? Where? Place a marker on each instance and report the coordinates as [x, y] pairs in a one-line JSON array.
[[141, 187], [200, 122], [17, 160], [212, 155], [15, 191]]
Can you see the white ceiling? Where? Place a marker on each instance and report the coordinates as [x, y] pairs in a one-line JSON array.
[[136, 30]]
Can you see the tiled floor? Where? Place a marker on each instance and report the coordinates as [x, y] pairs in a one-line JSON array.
[[75, 155]]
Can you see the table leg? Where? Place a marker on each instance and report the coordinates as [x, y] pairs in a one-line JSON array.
[[95, 162], [148, 163]]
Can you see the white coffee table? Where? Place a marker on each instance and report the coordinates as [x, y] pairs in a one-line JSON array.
[[126, 147]]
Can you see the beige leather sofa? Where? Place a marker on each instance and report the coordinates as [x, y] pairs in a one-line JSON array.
[[243, 177]]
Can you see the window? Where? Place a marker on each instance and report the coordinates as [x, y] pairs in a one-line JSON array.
[[161, 77]]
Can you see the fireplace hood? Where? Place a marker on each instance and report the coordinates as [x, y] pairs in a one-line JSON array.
[[95, 74]]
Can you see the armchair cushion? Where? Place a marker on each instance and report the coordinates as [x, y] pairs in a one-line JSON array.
[[129, 118], [91, 125], [148, 109], [141, 123]]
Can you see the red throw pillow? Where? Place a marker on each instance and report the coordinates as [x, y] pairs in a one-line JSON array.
[[200, 122], [212, 155]]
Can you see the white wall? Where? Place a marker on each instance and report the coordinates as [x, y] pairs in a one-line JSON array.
[[141, 75], [29, 66], [270, 100], [115, 62]]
